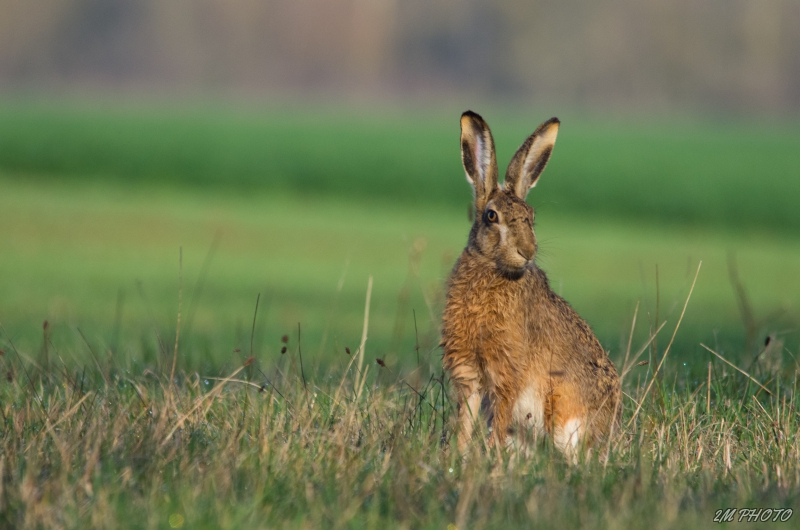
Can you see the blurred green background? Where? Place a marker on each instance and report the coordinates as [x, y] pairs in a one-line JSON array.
[[302, 206], [293, 150]]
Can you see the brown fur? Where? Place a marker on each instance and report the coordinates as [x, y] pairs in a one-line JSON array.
[[506, 334]]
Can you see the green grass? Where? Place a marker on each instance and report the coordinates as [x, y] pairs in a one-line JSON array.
[[105, 260], [120, 450], [73, 255], [738, 175], [298, 209]]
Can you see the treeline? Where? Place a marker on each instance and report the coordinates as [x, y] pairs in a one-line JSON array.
[[660, 55]]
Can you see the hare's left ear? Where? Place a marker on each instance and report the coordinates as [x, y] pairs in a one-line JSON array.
[[531, 158]]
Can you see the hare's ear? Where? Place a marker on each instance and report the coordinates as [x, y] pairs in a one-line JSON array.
[[530, 159], [478, 157]]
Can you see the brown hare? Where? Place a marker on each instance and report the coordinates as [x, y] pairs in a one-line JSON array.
[[506, 335]]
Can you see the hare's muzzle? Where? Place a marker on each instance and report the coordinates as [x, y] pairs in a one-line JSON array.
[[527, 251]]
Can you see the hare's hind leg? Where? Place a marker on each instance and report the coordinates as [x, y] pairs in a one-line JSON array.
[[567, 423], [568, 437]]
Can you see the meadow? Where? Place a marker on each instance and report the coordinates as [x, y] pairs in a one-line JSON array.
[[147, 250]]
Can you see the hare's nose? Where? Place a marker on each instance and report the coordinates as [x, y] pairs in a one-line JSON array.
[[526, 251]]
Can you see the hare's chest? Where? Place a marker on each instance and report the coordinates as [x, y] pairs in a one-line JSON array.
[[494, 323]]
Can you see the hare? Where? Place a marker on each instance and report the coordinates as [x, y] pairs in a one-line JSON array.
[[506, 335]]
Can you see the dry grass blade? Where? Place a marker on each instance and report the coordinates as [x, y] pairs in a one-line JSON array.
[[708, 391], [639, 353], [232, 380], [666, 351], [726, 361], [178, 324], [71, 411], [630, 337], [363, 344], [199, 402]]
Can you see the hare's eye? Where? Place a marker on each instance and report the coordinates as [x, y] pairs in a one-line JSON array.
[[491, 216]]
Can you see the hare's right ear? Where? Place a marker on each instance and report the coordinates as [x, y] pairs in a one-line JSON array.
[[478, 157]]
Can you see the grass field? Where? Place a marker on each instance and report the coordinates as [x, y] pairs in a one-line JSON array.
[[740, 175], [141, 452], [116, 223], [106, 261]]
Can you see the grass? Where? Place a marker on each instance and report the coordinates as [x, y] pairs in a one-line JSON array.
[[266, 446], [298, 209], [736, 175], [105, 260]]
